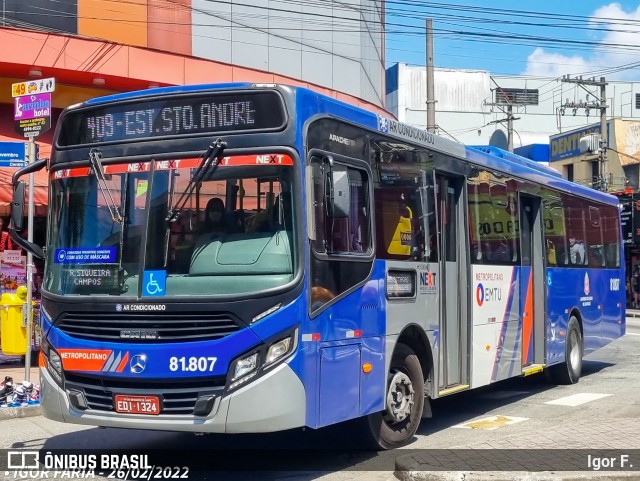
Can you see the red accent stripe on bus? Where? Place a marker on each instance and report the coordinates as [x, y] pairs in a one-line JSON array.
[[191, 163]]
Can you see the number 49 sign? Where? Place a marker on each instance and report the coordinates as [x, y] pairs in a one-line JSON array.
[[32, 106], [33, 87]]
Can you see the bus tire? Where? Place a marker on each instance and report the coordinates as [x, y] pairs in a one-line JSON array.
[[396, 425], [569, 371]]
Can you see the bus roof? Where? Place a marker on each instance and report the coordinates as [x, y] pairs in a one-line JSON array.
[[177, 89], [312, 103]]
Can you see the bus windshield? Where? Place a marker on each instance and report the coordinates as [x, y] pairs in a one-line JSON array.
[[110, 235]]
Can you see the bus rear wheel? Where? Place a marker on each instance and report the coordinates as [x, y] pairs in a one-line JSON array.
[[569, 371], [396, 425]]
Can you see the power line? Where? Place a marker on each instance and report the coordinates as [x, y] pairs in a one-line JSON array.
[[333, 19]]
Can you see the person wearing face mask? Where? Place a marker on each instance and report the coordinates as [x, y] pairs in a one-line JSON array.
[[214, 220]]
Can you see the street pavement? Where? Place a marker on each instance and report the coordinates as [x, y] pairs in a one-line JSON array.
[[550, 426], [610, 435]]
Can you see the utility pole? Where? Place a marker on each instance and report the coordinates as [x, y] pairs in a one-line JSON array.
[[602, 182], [431, 101], [604, 141], [29, 280], [510, 128]]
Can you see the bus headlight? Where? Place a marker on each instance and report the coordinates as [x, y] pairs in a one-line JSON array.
[[53, 361], [245, 366], [244, 369], [277, 350], [256, 362]]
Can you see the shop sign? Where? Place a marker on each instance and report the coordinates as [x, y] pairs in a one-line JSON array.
[[626, 218], [32, 127], [12, 256], [32, 106], [42, 86], [568, 144]]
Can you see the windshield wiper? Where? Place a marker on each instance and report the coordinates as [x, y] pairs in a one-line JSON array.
[[209, 159], [96, 165]]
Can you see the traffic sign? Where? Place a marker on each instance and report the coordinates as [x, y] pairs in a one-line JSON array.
[[42, 86], [13, 154]]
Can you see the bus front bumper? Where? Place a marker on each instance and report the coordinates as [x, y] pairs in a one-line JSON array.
[[274, 402]]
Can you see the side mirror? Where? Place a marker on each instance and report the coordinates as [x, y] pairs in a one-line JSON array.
[[338, 195], [17, 206]]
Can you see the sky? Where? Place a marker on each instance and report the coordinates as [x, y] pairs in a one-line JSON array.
[[542, 38]]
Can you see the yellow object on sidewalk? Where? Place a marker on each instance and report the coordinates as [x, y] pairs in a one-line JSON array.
[[13, 335]]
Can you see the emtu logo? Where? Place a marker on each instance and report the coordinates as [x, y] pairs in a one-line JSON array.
[[480, 295], [587, 289]]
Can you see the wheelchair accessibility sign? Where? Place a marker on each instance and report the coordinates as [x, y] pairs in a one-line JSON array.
[[154, 283]]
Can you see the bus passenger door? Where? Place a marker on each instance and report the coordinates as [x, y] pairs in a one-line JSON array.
[[453, 356], [532, 284]]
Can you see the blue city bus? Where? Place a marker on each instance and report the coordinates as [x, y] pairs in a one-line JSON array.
[[243, 258]]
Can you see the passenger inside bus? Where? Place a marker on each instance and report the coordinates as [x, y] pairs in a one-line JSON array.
[[576, 251], [181, 242], [215, 220]]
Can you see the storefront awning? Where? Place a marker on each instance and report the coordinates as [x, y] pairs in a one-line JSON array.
[[39, 194]]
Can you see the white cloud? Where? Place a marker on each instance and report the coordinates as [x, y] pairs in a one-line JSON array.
[[543, 63]]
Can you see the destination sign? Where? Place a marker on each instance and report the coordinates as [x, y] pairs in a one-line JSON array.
[[173, 116]]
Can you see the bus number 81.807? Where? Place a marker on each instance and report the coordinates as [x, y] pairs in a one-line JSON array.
[[192, 364]]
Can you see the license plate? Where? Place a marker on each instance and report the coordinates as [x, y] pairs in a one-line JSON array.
[[124, 403]]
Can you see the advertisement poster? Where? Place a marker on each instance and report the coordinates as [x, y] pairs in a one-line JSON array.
[[13, 271]]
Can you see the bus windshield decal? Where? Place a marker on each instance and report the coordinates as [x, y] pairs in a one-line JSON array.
[[85, 255], [190, 163]]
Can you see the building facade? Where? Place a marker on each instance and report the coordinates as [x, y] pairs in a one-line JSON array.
[[99, 47], [550, 118], [472, 107]]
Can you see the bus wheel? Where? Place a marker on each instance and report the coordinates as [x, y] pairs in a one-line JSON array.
[[570, 370], [396, 425]]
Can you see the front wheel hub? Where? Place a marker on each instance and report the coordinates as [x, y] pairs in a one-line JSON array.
[[399, 398]]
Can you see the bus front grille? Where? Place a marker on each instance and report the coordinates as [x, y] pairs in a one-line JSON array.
[[177, 396], [155, 327]]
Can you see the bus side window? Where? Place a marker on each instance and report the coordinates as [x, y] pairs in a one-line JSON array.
[[396, 228], [338, 243], [610, 230]]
